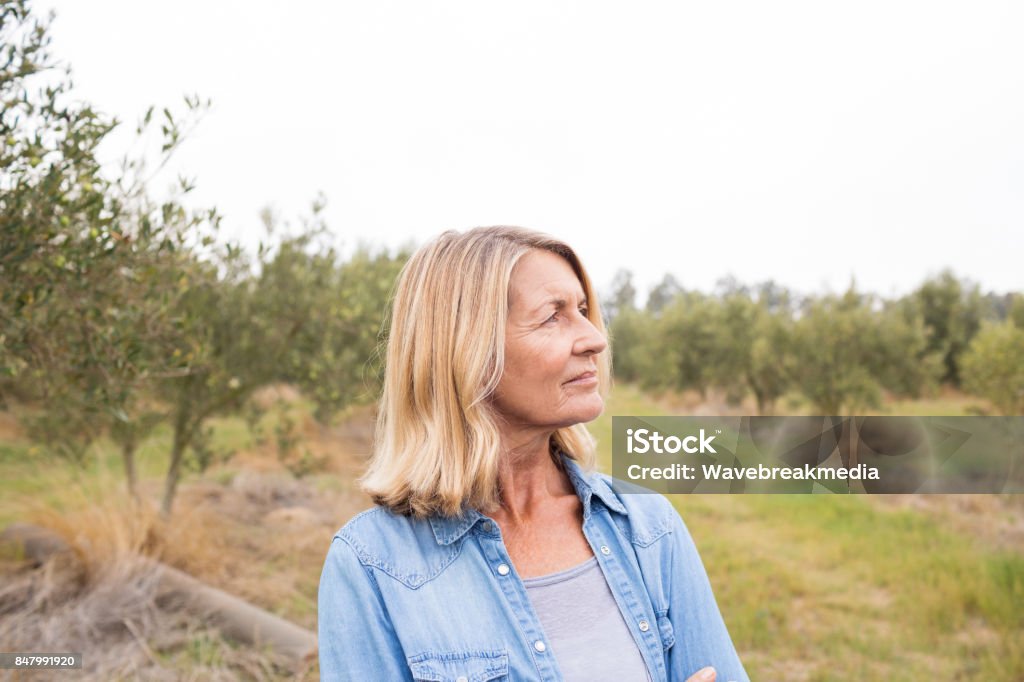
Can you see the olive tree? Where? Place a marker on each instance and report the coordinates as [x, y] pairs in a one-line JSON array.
[[90, 264], [993, 366]]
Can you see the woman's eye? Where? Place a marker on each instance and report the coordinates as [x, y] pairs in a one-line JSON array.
[[584, 311]]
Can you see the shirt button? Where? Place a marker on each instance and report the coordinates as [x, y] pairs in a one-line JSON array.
[[488, 527], [539, 646], [644, 626], [605, 550], [503, 569]]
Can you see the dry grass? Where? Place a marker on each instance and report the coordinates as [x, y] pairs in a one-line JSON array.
[[995, 520], [99, 599], [255, 537], [10, 430]]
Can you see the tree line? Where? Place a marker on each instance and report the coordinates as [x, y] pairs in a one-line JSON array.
[[840, 352]]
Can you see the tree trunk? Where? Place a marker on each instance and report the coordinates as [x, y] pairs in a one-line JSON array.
[[182, 435], [759, 396], [128, 455]]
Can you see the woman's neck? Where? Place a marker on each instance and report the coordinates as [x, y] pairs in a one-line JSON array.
[[529, 479]]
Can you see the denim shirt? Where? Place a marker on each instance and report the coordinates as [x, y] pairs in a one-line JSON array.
[[439, 599]]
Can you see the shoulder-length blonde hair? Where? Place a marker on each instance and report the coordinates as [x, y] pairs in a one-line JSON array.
[[437, 444]]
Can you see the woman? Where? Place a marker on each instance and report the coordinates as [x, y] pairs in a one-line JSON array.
[[494, 551]]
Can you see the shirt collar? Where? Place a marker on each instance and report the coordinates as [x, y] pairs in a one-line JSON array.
[[448, 530], [588, 484]]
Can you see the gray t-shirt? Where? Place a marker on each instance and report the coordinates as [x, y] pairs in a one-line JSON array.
[[584, 627]]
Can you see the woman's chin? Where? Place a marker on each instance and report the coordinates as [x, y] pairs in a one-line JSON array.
[[589, 409]]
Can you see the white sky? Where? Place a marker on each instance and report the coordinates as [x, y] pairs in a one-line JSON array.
[[802, 141]]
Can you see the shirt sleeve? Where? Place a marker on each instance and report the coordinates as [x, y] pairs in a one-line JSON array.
[[356, 638], [701, 638]]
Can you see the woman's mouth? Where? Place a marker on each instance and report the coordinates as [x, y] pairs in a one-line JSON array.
[[585, 379]]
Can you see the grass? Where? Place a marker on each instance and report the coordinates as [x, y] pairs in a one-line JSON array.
[[828, 580], [812, 587]]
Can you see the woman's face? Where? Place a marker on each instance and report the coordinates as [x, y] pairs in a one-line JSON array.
[[550, 378]]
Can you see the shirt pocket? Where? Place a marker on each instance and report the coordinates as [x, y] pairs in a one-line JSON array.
[[474, 666], [668, 635]]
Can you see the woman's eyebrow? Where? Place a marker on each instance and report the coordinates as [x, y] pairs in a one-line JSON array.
[[558, 303]]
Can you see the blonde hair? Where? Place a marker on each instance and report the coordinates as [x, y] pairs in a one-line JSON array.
[[437, 445]]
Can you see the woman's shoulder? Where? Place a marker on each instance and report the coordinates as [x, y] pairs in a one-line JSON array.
[[405, 547], [370, 530]]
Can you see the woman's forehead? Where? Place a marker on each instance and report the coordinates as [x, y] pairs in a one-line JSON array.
[[541, 275]]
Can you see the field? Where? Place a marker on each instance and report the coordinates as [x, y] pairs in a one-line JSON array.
[[812, 587]]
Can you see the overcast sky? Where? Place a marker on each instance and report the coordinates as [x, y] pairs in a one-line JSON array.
[[804, 142]]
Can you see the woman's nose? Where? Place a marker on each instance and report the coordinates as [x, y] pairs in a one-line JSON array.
[[591, 341]]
